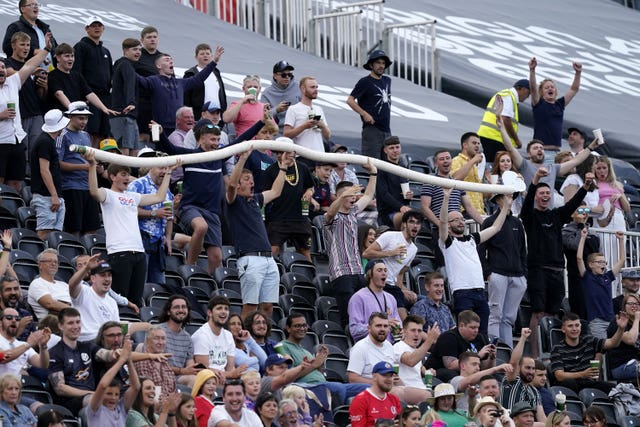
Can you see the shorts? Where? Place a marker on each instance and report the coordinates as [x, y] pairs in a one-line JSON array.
[[13, 162], [47, 220], [125, 131], [213, 237], [546, 289], [98, 122], [298, 232], [83, 213], [397, 294], [259, 279]]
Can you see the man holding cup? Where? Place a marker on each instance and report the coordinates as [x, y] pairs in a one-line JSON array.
[[469, 166], [574, 362], [247, 110]]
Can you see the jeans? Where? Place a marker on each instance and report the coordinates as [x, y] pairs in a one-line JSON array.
[[626, 372], [472, 299], [345, 391]]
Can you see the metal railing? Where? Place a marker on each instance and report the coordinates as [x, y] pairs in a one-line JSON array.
[[609, 247], [340, 31]]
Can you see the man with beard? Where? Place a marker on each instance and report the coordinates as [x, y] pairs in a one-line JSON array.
[[517, 386], [72, 372], [83, 213], [371, 99], [283, 92], [341, 235], [370, 300], [18, 353], [155, 221], [377, 401], [464, 167], [167, 91], [305, 123], [93, 303], [397, 251], [535, 154], [155, 367], [11, 297], [233, 410], [175, 315], [545, 256], [213, 345], [462, 262], [410, 352]]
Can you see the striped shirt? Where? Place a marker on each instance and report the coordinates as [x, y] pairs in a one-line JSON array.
[[575, 359], [436, 194], [341, 236], [518, 391], [179, 345]]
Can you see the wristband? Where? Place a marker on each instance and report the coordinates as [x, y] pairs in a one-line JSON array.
[[373, 174], [170, 414], [47, 49], [6, 249], [283, 170]]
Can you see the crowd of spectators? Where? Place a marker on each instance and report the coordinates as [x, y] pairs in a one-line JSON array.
[[424, 284]]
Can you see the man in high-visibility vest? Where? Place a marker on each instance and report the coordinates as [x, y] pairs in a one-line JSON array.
[[489, 132]]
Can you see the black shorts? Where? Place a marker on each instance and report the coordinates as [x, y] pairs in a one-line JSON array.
[[99, 122], [546, 289], [13, 161], [397, 294], [297, 232], [83, 213]]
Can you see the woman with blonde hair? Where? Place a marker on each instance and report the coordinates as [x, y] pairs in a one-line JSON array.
[[558, 419], [612, 198], [14, 414], [299, 396]]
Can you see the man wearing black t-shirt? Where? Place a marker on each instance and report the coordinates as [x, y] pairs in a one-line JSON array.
[[454, 342], [371, 99], [284, 216], [46, 178], [259, 276]]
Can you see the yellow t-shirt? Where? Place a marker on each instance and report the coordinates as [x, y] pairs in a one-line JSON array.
[[477, 199]]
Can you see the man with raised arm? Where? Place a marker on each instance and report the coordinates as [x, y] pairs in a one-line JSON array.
[[462, 262]]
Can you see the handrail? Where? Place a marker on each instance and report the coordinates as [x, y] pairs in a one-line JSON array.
[[229, 151]]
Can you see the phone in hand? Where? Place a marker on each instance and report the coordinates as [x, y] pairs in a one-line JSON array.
[[200, 366], [317, 117], [495, 340]]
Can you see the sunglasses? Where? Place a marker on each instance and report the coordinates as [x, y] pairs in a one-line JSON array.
[[286, 75], [11, 317], [584, 210]]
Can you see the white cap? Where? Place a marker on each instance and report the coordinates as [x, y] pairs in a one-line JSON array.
[[90, 20]]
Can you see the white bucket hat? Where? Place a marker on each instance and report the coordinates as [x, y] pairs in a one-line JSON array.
[[54, 121]]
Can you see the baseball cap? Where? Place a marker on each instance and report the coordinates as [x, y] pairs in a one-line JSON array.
[[337, 148], [382, 368], [522, 83], [90, 20], [211, 107], [282, 66], [631, 273], [584, 136], [109, 144], [326, 163], [371, 263], [276, 359], [101, 268]]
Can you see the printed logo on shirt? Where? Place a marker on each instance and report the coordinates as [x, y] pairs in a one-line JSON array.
[[126, 201]]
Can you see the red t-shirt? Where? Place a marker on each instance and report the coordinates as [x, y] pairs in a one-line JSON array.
[[366, 408]]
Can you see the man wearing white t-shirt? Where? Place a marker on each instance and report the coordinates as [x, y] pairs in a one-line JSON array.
[[233, 409], [94, 303], [213, 345], [306, 123], [18, 353], [411, 352], [120, 216], [46, 294], [397, 251]]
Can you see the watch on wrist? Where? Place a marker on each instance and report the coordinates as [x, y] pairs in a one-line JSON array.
[[154, 213]]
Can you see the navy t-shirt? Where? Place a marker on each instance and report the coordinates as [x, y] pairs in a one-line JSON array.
[[374, 96], [547, 121], [246, 224], [258, 163], [76, 364]]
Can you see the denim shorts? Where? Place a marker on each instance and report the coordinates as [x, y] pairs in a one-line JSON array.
[[47, 220], [125, 132], [259, 279]]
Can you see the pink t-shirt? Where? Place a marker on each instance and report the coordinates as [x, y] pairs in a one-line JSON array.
[[249, 114], [607, 190]]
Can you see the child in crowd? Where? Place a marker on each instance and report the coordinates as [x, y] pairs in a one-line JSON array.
[[299, 396], [251, 381], [185, 414], [322, 191]]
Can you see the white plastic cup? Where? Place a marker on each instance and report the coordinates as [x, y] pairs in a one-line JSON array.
[[158, 390], [155, 132], [598, 134], [405, 189]]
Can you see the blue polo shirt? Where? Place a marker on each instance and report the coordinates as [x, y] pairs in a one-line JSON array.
[[597, 295], [246, 224]]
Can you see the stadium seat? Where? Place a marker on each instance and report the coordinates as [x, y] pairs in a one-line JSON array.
[[609, 410], [323, 285], [229, 294], [294, 303], [34, 388], [327, 309], [10, 199], [227, 278], [341, 417], [94, 244], [630, 421], [26, 194], [8, 219], [591, 395], [545, 326], [229, 256], [65, 269], [290, 279], [149, 314], [337, 365], [27, 218], [277, 315], [198, 294], [277, 334], [298, 263], [331, 333], [127, 314], [69, 418], [196, 277], [27, 240], [153, 291], [173, 262], [66, 244]]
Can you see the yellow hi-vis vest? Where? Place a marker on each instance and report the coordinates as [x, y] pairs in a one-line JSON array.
[[488, 128]]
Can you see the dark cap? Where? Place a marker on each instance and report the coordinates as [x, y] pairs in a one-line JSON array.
[[383, 368], [584, 136], [326, 163], [522, 83], [101, 268], [520, 408], [391, 140], [277, 359], [282, 66], [337, 148], [377, 54], [631, 273], [211, 107], [371, 264]]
